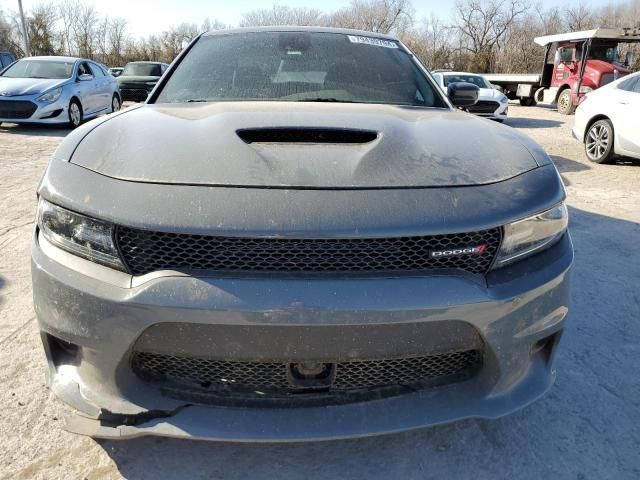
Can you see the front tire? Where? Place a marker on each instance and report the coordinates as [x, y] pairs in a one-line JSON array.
[[75, 114], [598, 142], [565, 104]]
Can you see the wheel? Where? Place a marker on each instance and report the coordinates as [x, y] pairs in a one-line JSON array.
[[115, 103], [75, 113], [527, 101], [598, 143], [565, 105]]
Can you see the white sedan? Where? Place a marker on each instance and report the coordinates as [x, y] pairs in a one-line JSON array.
[[607, 121], [491, 103]]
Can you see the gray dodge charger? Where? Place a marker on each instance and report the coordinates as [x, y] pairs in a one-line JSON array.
[[298, 236]]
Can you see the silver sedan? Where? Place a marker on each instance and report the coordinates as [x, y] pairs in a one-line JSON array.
[[56, 90]]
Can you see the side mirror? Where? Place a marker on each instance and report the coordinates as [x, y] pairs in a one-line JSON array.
[[85, 77], [463, 94], [628, 59]]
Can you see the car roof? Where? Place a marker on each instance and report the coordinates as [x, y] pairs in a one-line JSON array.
[[58, 59], [620, 34], [276, 29], [460, 73]]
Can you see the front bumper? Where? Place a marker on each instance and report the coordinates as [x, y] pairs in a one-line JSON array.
[[45, 113], [519, 314]]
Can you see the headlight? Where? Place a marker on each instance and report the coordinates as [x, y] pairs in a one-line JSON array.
[[50, 96], [529, 236], [77, 234], [504, 99]]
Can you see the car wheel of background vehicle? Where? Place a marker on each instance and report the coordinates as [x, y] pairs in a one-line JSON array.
[[598, 143], [75, 114], [565, 106], [527, 101], [115, 103]]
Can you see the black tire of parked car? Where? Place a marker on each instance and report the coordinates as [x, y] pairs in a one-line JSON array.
[[598, 143], [75, 113], [565, 105], [527, 101], [115, 103]]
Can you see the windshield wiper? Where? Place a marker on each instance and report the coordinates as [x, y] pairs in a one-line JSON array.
[[196, 100], [324, 99]]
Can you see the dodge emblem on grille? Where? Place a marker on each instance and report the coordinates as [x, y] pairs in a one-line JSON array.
[[459, 251]]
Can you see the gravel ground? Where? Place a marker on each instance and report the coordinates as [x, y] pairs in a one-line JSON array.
[[587, 426]]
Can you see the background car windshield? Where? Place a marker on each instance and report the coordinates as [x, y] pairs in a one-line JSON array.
[[39, 69], [475, 79], [142, 70], [299, 66]]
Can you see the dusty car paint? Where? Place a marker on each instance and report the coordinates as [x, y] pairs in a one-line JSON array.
[[517, 312], [224, 159]]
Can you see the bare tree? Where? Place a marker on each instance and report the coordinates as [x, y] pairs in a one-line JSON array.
[[85, 31], [282, 15], [580, 17], [69, 12], [383, 16], [431, 42], [483, 25], [10, 36], [41, 29], [117, 38]]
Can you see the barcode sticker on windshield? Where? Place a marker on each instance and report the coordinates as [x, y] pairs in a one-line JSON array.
[[378, 42]]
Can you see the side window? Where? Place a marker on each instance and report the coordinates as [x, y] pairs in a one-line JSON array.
[[97, 71], [84, 69], [636, 87], [6, 59], [565, 54], [438, 78], [629, 85]]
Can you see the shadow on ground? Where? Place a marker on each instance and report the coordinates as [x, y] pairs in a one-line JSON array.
[[35, 130], [523, 122], [2, 283], [585, 427]]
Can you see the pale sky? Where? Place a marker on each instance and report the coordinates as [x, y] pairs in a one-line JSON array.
[[145, 17]]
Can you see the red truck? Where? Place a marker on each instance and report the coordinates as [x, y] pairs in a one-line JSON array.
[[574, 64]]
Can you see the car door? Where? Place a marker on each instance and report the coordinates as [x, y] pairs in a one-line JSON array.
[[103, 98], [87, 89], [627, 106]]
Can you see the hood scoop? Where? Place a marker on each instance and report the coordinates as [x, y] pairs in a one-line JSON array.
[[306, 135]]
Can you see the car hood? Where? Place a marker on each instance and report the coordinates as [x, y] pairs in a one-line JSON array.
[[27, 86], [489, 94], [199, 144], [136, 79]]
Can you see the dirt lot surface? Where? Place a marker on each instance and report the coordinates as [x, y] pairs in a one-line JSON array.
[[586, 427]]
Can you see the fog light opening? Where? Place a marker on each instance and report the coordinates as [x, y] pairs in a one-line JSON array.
[[63, 352], [546, 347]]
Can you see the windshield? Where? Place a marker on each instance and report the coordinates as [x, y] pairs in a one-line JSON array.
[[475, 79], [39, 69], [603, 52], [142, 70], [299, 66]]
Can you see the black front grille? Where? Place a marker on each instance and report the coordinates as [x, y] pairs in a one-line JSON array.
[[484, 106], [134, 94], [273, 379], [17, 109], [147, 251]]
